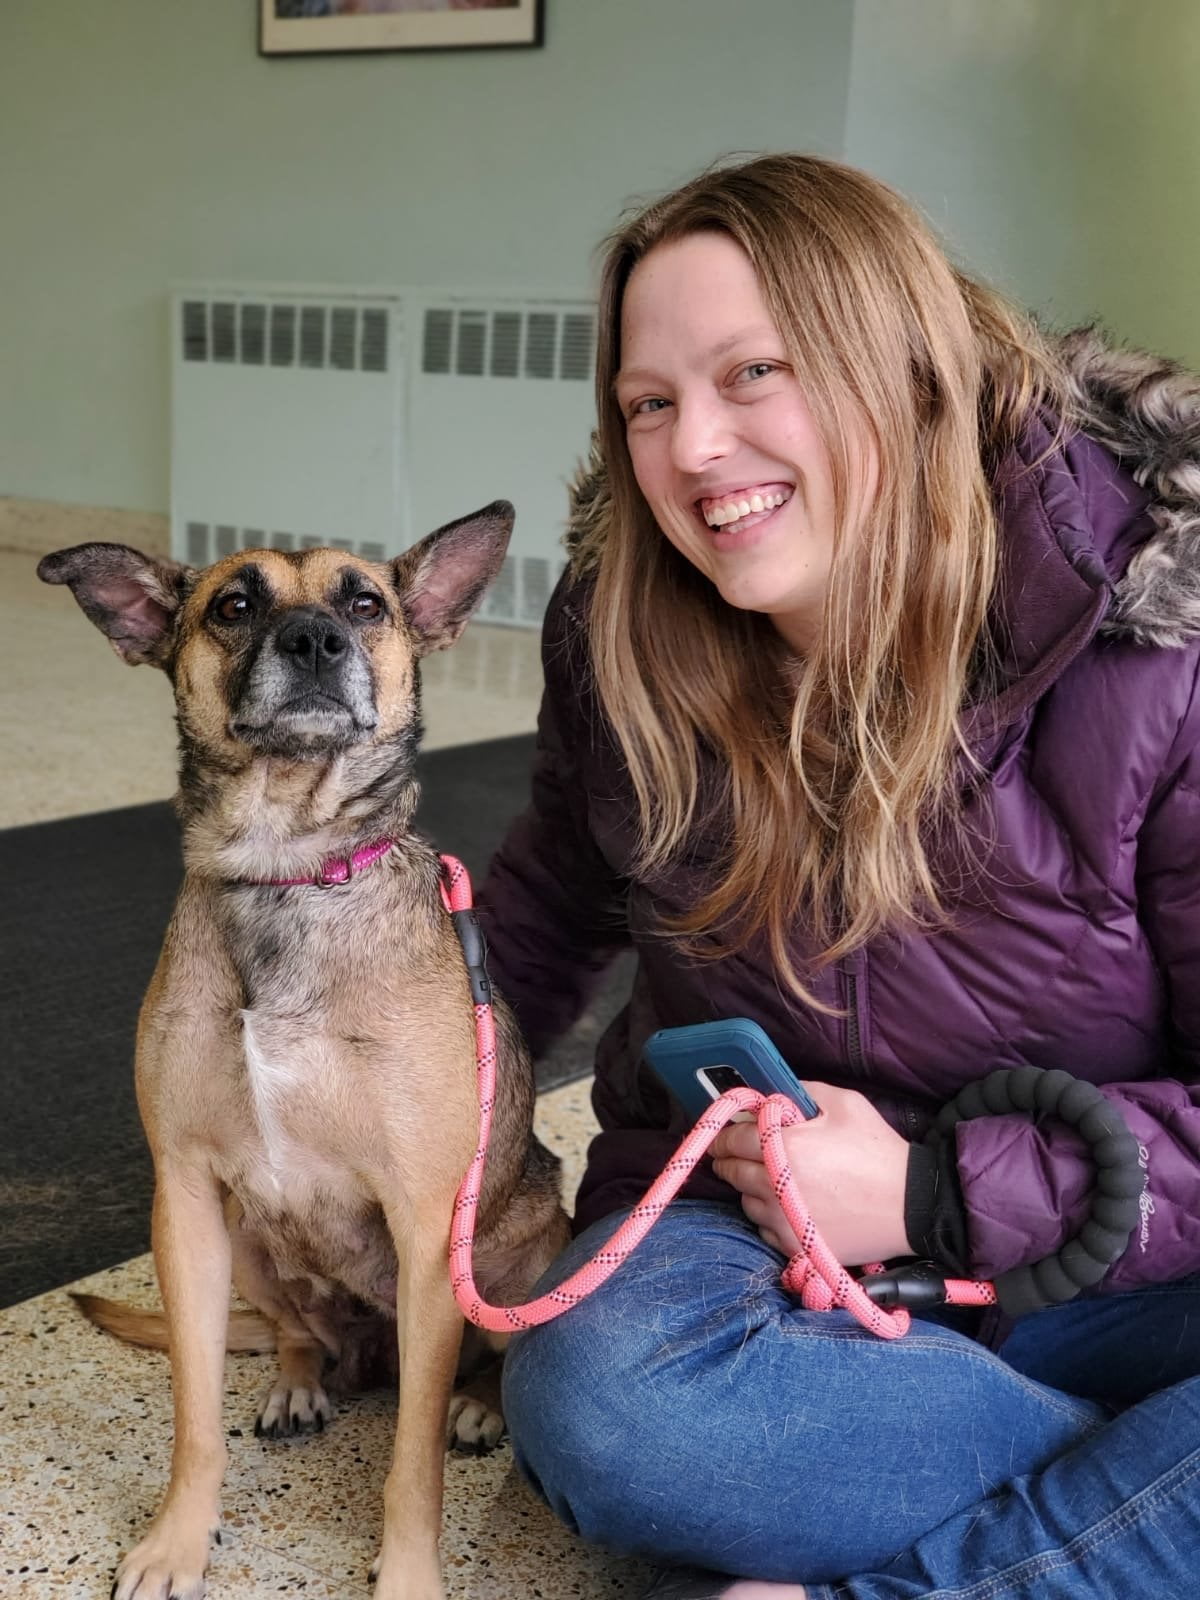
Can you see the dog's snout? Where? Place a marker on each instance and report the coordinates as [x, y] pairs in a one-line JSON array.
[[314, 640], [308, 687]]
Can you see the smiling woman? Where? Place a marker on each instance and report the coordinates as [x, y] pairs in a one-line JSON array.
[[871, 715], [751, 343]]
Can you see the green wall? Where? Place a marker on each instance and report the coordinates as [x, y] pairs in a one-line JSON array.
[[157, 146], [1054, 143]]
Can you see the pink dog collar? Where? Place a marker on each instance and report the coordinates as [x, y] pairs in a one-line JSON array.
[[338, 869]]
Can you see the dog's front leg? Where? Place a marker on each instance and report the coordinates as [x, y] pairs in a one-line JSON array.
[[429, 1330], [191, 1254]]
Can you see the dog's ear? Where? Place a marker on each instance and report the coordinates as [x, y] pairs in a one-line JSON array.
[[133, 599], [442, 580]]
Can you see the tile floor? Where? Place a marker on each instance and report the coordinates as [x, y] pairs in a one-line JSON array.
[[85, 1421]]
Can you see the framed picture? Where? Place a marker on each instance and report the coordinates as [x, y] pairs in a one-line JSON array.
[[308, 27]]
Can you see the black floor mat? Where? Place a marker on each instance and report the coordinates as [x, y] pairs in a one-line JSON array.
[[85, 902]]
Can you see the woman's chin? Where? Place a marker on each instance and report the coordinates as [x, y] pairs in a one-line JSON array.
[[781, 610]]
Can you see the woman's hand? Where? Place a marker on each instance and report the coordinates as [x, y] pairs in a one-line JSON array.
[[850, 1166]]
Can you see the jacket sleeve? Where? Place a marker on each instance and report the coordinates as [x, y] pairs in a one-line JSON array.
[[1047, 1173], [553, 909]]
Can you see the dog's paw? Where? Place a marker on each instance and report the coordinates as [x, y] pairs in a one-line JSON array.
[[410, 1585], [289, 1410], [472, 1428], [169, 1564]]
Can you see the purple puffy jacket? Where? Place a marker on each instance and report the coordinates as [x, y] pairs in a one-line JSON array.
[[1080, 948]]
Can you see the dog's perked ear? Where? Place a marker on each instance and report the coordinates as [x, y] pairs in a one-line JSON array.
[[133, 599], [442, 580]]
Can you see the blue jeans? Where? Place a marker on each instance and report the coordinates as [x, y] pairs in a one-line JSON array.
[[692, 1412]]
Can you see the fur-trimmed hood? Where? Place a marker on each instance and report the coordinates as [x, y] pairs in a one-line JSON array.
[[1145, 411]]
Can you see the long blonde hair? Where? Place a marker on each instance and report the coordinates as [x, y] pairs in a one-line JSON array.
[[835, 770]]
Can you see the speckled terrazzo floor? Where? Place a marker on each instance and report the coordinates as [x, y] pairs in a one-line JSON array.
[[85, 1438], [85, 1425]]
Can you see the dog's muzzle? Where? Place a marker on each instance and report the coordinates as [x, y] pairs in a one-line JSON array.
[[309, 689]]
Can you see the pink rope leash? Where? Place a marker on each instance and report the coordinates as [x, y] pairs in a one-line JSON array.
[[813, 1273]]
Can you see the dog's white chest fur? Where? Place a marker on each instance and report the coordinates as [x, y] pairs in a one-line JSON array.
[[272, 1077]]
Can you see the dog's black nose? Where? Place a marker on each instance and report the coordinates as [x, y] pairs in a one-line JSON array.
[[315, 641]]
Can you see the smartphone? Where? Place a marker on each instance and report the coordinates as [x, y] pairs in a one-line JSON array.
[[698, 1063]]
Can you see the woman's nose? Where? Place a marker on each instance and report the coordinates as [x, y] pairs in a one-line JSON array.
[[700, 434]]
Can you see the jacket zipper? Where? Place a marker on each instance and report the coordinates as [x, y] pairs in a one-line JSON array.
[[853, 1038], [855, 974], [854, 1049]]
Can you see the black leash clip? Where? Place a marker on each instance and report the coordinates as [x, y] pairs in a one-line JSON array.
[[474, 948], [916, 1286]]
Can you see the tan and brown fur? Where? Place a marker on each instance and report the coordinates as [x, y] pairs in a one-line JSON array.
[[306, 1056]]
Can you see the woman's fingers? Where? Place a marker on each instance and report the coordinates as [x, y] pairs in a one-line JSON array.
[[766, 1217], [759, 1204], [748, 1177], [737, 1140]]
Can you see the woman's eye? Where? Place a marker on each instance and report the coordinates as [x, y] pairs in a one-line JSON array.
[[647, 408], [758, 369], [366, 606], [233, 608]]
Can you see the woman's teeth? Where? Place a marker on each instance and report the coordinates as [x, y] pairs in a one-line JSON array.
[[722, 513]]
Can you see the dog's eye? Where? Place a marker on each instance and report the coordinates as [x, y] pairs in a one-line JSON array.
[[366, 606], [233, 608]]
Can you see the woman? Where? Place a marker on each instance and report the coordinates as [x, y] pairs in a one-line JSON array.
[[870, 714]]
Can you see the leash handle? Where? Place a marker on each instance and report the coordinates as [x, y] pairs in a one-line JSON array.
[[1114, 1205]]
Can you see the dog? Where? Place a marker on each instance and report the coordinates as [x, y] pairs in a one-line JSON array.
[[306, 1049]]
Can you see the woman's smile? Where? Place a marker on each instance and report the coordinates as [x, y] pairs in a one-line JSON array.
[[731, 513]]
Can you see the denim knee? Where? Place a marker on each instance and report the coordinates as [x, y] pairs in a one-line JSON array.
[[597, 1400], [690, 1411], [558, 1415]]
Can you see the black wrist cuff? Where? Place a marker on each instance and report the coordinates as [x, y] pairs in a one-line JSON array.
[[935, 1218], [920, 1198]]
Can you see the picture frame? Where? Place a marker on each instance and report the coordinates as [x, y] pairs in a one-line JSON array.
[[321, 27]]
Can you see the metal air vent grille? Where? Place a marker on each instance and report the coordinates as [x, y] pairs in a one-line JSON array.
[[521, 590], [208, 542], [474, 343], [254, 334]]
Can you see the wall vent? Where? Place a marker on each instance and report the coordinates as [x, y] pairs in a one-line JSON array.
[[208, 542], [521, 590], [364, 417], [520, 593], [254, 334], [473, 343]]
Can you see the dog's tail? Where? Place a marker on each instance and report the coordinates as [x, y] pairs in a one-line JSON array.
[[248, 1330]]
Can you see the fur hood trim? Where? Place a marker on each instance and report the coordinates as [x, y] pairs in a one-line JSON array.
[[1144, 410]]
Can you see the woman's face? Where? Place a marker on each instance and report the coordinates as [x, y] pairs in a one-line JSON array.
[[723, 446]]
